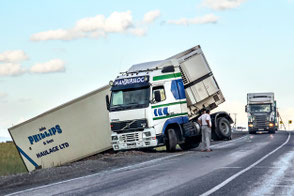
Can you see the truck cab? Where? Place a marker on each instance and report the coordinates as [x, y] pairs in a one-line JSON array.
[[142, 102], [262, 114]]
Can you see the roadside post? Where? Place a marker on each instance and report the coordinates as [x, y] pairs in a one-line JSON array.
[[289, 123]]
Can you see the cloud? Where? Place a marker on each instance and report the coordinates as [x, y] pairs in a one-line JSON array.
[[55, 65], [11, 69], [13, 56], [206, 19], [222, 4], [100, 26], [91, 27], [151, 16], [59, 34], [117, 22]]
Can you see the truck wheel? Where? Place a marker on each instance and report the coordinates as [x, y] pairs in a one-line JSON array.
[[223, 129], [272, 132], [172, 140], [252, 132], [190, 142]]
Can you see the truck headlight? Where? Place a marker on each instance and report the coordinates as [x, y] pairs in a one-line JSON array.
[[271, 124], [250, 125]]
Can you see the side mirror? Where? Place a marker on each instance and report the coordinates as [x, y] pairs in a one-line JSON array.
[[245, 108], [157, 96], [107, 102]]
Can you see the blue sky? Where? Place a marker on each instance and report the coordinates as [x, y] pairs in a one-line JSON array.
[[54, 51]]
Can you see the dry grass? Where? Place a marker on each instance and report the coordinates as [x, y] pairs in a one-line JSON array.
[[10, 161]]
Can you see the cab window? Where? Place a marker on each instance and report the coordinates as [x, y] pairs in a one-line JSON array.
[[161, 91]]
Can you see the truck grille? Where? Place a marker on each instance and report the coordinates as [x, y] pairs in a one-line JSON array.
[[129, 125], [260, 121], [130, 137]]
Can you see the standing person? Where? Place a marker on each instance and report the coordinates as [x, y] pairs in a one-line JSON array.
[[205, 122]]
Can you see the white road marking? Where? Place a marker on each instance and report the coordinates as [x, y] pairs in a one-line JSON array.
[[230, 167], [135, 166], [244, 170]]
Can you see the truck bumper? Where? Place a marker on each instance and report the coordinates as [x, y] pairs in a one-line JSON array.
[[264, 128], [134, 140]]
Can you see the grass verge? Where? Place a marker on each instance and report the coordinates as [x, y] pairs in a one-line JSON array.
[[10, 161]]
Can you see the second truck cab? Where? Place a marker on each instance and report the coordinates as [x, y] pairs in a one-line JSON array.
[[262, 112]]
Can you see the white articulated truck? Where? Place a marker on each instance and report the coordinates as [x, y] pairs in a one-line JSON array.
[[158, 103], [70, 132], [262, 112]]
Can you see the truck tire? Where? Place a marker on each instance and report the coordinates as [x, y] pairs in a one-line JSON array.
[[272, 132], [223, 129], [172, 140], [252, 132], [191, 142]]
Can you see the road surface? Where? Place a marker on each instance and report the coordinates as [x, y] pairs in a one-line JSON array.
[[261, 164]]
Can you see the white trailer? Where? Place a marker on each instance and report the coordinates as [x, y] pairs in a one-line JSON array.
[[67, 133]]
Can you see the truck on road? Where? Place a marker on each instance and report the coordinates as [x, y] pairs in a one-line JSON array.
[[262, 112], [158, 103]]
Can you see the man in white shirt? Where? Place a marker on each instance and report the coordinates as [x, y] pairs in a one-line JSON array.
[[205, 122]]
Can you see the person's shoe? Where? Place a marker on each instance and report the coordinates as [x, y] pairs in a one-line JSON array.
[[203, 150], [209, 150]]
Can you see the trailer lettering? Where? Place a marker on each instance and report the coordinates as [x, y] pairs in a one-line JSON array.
[[46, 152], [53, 149], [40, 136], [64, 145], [50, 141]]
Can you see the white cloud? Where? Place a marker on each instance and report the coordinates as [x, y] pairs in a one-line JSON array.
[[117, 22], [209, 18], [93, 27], [222, 4], [59, 34], [55, 65], [100, 26], [150, 16], [11, 69], [13, 56]]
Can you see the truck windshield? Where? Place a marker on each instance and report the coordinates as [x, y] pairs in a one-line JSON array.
[[260, 108], [129, 99]]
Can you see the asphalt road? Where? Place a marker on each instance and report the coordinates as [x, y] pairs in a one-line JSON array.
[[261, 164]]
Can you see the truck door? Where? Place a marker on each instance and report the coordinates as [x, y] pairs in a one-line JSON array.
[[178, 91]]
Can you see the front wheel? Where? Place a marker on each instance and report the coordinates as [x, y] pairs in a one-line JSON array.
[[172, 140]]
